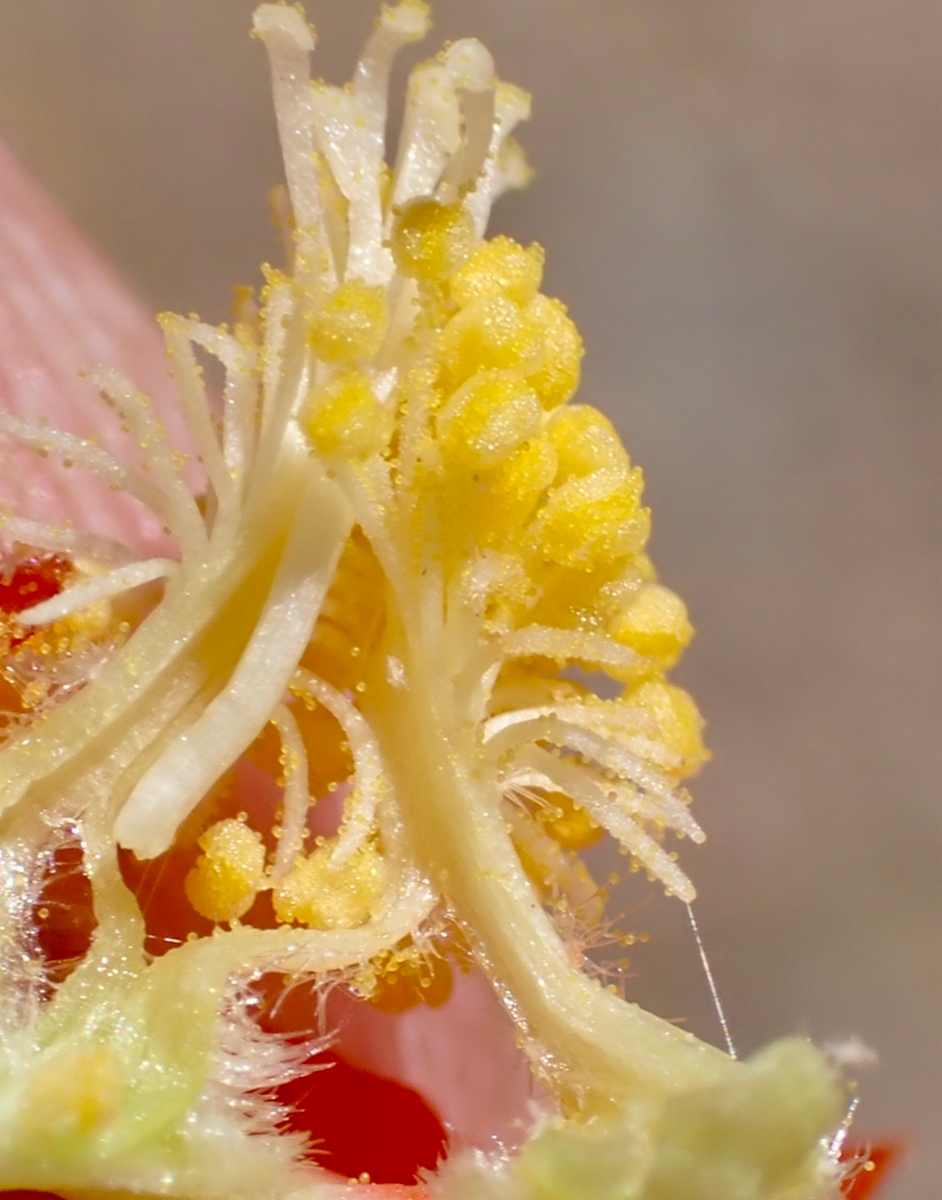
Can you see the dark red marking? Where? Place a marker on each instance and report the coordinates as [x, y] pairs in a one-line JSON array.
[[24, 1195], [360, 1124], [157, 883], [356, 1122], [63, 914], [30, 582], [885, 1158]]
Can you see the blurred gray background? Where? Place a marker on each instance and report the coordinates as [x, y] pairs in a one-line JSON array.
[[741, 204]]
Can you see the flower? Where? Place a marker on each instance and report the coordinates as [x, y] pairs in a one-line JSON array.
[[400, 553]]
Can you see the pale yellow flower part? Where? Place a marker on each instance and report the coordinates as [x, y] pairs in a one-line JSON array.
[[408, 525]]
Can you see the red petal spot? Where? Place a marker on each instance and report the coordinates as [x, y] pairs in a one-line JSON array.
[[361, 1124], [64, 915], [25, 1195], [157, 884], [868, 1178], [357, 1123], [30, 582]]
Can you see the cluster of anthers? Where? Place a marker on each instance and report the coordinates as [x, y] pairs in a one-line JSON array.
[[408, 552]]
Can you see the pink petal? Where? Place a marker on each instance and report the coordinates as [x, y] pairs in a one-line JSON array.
[[63, 310], [462, 1057]]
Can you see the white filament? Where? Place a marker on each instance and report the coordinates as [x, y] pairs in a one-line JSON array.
[[135, 408], [183, 774], [711, 983], [570, 779], [370, 782], [505, 164], [289, 40], [467, 165], [350, 127], [82, 453], [569, 645], [90, 591], [405, 22], [240, 397], [65, 540], [179, 335], [276, 313], [431, 128], [599, 717], [297, 799]]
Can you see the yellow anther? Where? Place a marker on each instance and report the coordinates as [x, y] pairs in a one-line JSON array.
[[655, 623], [410, 18], [520, 481], [500, 267], [343, 416], [557, 378], [569, 598], [490, 333], [430, 241], [567, 824], [593, 521], [678, 726], [585, 440], [323, 897], [489, 417], [244, 309], [513, 593], [557, 875], [224, 883], [410, 976], [489, 507], [352, 324]]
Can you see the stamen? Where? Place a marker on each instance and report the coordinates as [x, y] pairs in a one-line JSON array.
[[91, 458], [431, 127], [423, 401], [134, 407], [64, 540], [297, 799], [90, 591], [186, 771], [571, 645], [573, 781], [369, 784], [289, 40]]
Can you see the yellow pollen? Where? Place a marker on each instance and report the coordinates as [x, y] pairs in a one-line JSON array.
[[430, 240], [321, 896], [344, 417], [223, 884], [352, 324]]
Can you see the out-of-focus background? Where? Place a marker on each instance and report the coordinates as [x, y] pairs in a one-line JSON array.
[[741, 204]]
